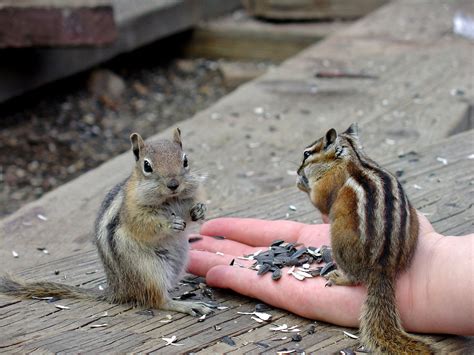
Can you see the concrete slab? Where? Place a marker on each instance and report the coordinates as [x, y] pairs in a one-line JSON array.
[[251, 141]]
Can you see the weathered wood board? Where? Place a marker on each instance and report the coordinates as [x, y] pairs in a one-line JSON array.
[[310, 9], [441, 188], [47, 23]]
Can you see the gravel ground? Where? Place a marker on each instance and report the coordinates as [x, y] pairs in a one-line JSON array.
[[59, 132]]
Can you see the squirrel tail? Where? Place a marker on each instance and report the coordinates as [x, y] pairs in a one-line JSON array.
[[19, 288], [380, 325]]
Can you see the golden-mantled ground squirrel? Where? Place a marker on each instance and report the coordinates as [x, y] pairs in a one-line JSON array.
[[139, 233], [374, 231]]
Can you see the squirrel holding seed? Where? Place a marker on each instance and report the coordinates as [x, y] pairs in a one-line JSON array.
[[139, 233], [374, 232]]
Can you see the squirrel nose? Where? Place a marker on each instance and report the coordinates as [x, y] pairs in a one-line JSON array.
[[172, 184]]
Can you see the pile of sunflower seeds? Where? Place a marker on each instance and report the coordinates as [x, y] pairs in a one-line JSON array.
[[281, 254]]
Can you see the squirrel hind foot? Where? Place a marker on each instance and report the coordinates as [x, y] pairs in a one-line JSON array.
[[194, 309]]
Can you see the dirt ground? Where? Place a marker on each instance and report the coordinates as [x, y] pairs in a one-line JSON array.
[[58, 132]]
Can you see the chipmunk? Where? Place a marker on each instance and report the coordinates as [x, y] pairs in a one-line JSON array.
[[139, 233], [374, 231]]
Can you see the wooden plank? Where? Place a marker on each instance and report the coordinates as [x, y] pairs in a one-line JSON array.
[[310, 9], [139, 23], [446, 196], [241, 37], [28, 23]]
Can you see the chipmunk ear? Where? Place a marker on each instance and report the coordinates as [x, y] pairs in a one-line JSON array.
[[330, 137], [177, 137], [353, 130], [137, 145]]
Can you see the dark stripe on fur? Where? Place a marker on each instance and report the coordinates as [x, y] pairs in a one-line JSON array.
[[388, 215], [111, 228], [403, 221]]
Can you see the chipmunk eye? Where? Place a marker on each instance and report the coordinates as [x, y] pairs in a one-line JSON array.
[[185, 161], [306, 155], [147, 167]]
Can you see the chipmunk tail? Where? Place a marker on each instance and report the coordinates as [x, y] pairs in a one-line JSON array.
[[20, 288], [380, 325]]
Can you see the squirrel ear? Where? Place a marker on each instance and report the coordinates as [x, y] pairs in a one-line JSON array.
[[137, 145], [353, 130], [330, 137], [177, 137]]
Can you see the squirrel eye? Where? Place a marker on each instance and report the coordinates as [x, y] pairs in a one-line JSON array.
[[147, 167], [185, 161], [306, 154]]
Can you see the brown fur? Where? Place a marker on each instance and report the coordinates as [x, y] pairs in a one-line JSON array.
[[371, 235], [139, 232]]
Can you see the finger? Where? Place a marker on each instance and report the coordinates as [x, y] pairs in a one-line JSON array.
[[200, 262], [309, 298], [222, 245], [253, 232]]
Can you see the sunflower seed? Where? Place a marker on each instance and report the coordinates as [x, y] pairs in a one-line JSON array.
[[261, 307], [327, 268], [264, 269], [228, 340], [276, 274], [296, 337]]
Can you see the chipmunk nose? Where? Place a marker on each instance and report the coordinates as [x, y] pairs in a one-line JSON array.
[[172, 184]]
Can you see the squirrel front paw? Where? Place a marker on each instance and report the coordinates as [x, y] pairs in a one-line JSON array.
[[178, 224], [198, 211]]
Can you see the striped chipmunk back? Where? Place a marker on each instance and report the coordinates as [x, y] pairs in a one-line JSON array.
[[374, 230]]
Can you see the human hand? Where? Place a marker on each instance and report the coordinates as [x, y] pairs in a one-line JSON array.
[[310, 298]]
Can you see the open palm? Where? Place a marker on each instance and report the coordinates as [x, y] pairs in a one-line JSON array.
[[309, 298]]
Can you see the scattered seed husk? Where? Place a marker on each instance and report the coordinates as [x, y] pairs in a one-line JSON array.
[[284, 351], [222, 308], [216, 327], [202, 318], [350, 335], [228, 340], [312, 329], [53, 299], [280, 328], [42, 217], [167, 320], [56, 272], [98, 325], [258, 320], [101, 287], [91, 272], [171, 341], [292, 207], [61, 307], [347, 352], [42, 298], [296, 337], [105, 314], [15, 254]]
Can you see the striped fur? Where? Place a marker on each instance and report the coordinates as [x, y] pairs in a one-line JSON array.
[[139, 232], [374, 230]]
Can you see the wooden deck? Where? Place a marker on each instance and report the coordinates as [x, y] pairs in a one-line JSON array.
[[444, 192]]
